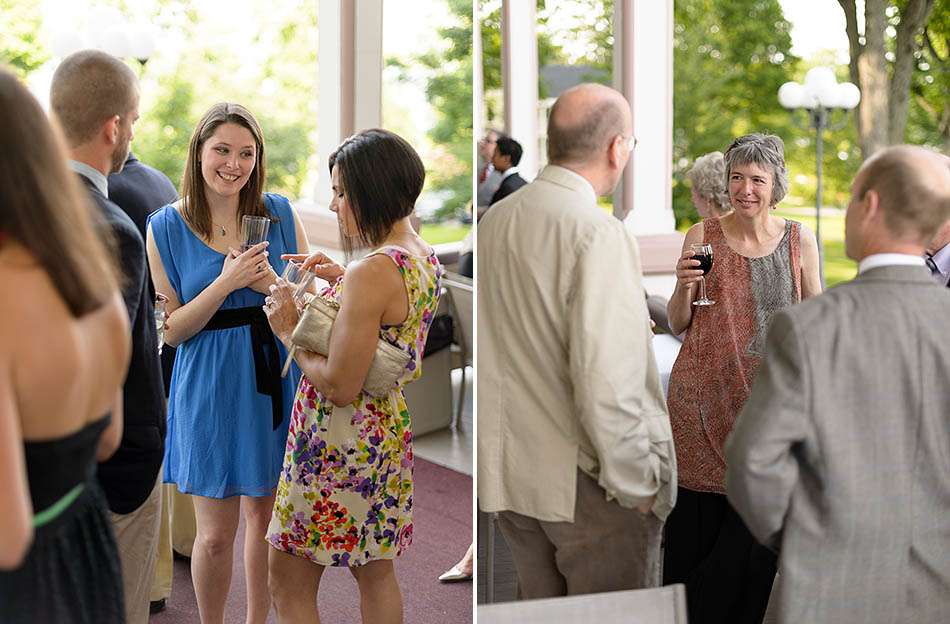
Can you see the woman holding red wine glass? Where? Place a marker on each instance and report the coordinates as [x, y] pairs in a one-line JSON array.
[[763, 263]]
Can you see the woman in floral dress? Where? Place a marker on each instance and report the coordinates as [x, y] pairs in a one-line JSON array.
[[345, 492]]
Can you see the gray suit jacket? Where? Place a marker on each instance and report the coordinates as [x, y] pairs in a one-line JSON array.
[[841, 456]]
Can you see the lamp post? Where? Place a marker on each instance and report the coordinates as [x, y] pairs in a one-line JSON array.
[[820, 95]]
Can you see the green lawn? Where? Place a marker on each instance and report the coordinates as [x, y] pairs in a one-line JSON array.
[[838, 268], [447, 232]]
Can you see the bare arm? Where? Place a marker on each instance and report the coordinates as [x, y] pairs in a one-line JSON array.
[[811, 278], [680, 308], [16, 526], [374, 293], [184, 321], [112, 436]]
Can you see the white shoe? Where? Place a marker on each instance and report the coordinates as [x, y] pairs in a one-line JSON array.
[[454, 575]]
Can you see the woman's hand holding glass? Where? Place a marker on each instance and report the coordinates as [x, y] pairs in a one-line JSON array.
[[688, 272], [322, 265], [281, 310], [240, 270]]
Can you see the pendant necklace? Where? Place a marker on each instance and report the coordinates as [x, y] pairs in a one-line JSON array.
[[220, 227]]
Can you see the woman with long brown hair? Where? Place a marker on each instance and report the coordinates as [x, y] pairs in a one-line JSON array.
[[64, 352], [228, 411]]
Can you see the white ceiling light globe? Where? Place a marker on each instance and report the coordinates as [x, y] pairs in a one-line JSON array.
[[66, 42], [848, 95], [142, 43], [115, 42], [790, 95], [819, 78]]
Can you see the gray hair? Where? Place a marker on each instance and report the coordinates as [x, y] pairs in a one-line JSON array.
[[579, 142], [708, 176], [88, 88], [763, 150]]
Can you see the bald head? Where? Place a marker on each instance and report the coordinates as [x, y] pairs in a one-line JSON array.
[[913, 185], [583, 122]]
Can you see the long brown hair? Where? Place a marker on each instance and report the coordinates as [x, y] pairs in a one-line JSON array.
[[44, 207], [382, 176], [194, 203]]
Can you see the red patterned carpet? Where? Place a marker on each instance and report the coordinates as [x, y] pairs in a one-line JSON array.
[[442, 532]]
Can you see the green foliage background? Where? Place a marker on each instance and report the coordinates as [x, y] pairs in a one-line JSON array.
[[730, 58]]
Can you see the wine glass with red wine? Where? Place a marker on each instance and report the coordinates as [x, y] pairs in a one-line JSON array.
[[704, 253]]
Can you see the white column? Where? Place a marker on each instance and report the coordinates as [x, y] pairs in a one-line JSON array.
[[643, 72], [350, 64], [519, 53], [478, 81]]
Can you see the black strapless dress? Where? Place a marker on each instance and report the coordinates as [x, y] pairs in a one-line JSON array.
[[71, 574]]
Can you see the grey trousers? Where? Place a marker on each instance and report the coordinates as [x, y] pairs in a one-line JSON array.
[[606, 548]]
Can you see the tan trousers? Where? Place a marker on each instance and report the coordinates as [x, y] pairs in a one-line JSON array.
[[606, 548], [177, 533], [137, 535]]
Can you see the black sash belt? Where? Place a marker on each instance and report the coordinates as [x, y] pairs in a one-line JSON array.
[[264, 347]]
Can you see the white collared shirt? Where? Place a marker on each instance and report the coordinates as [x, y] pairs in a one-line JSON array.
[[510, 171], [888, 259], [942, 260], [92, 174]]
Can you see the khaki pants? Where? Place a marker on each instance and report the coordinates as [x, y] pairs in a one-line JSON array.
[[177, 533], [137, 534], [606, 548]]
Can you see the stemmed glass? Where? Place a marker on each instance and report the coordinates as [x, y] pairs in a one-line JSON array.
[[704, 253]]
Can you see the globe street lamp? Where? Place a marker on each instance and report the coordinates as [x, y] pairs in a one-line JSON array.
[[820, 96], [108, 30]]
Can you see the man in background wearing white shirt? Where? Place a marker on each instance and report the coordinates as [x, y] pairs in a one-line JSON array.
[[574, 443]]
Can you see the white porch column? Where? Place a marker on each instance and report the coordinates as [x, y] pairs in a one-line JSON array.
[[643, 72], [478, 85], [350, 82], [350, 59], [519, 77]]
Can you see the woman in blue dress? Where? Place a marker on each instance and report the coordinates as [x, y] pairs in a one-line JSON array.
[[228, 409]]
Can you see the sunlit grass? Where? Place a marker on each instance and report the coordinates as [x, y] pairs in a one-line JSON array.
[[838, 268], [447, 232]]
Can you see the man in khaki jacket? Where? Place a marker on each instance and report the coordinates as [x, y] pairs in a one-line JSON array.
[[574, 443]]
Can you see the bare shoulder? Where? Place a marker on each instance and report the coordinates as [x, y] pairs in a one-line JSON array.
[[695, 234], [378, 271], [807, 237]]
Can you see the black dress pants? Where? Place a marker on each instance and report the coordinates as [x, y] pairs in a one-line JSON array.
[[727, 573]]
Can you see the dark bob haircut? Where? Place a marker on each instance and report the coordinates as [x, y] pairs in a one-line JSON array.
[[382, 176]]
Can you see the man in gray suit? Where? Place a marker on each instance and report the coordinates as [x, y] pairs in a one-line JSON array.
[[841, 457]]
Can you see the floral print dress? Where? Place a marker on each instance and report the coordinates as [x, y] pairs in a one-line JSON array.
[[345, 491]]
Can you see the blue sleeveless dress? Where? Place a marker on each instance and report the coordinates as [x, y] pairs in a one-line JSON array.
[[221, 441]]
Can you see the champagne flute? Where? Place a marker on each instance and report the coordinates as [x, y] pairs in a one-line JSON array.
[[254, 230], [704, 253]]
